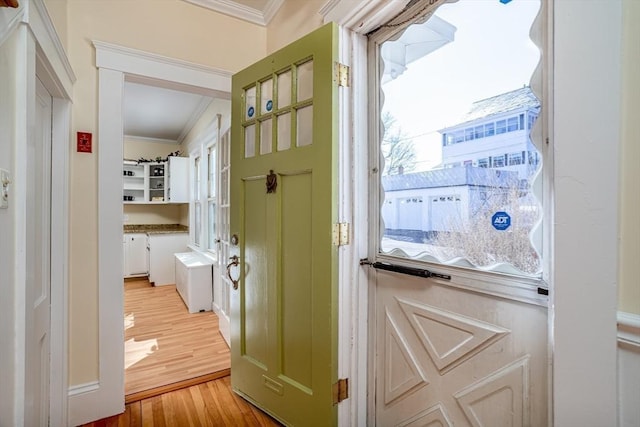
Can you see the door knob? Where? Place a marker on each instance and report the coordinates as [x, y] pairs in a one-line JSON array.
[[235, 261]]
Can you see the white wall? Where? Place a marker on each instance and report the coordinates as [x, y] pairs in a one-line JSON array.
[[586, 139], [9, 70]]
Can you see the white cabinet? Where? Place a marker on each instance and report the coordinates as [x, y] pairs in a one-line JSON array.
[[178, 180], [161, 249], [135, 254], [156, 182], [134, 183], [194, 281]]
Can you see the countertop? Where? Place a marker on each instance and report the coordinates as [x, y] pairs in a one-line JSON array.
[[155, 228]]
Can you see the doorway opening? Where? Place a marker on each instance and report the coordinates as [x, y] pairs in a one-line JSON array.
[[116, 66], [168, 343]]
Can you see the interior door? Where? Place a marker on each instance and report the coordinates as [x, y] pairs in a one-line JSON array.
[[283, 205], [38, 246]]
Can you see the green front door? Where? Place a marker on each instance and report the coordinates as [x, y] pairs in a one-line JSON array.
[[283, 205]]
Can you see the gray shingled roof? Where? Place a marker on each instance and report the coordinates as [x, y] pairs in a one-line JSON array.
[[502, 103], [451, 177]]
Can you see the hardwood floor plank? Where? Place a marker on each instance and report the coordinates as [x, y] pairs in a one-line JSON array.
[[164, 343], [208, 404]]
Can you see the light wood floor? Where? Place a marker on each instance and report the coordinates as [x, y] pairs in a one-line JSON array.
[[165, 345], [209, 404]]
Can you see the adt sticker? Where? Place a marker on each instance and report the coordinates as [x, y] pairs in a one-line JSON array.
[[269, 105], [501, 221], [251, 111]]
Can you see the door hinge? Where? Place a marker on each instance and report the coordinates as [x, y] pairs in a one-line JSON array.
[[342, 74], [341, 234], [340, 390]]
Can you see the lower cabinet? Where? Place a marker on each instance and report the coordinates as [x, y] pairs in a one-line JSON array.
[[135, 255], [193, 281], [161, 248]]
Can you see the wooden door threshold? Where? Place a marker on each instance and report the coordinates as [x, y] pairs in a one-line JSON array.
[[145, 394]]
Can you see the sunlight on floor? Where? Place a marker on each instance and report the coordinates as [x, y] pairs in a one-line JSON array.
[[135, 351], [129, 321]]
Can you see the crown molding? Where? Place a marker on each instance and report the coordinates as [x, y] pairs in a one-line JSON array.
[[145, 67], [241, 11]]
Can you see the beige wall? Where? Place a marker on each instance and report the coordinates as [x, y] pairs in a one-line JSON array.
[[208, 122], [153, 214], [135, 148], [629, 290], [171, 28], [295, 19], [184, 215], [58, 12]]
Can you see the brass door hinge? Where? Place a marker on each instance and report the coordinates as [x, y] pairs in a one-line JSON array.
[[342, 74], [341, 234], [340, 390]]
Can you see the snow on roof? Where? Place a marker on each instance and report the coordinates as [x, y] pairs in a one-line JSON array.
[[451, 177], [509, 101]]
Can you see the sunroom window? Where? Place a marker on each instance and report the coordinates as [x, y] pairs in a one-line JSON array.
[[480, 210]]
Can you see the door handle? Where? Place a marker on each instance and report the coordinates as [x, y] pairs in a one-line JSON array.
[[235, 261]]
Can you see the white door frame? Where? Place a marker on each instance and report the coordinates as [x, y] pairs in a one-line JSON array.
[[585, 206], [115, 64], [45, 58]]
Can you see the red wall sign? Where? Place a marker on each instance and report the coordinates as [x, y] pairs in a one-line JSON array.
[[84, 142]]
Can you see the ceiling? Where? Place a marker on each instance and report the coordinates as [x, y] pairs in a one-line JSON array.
[[159, 114], [166, 115]]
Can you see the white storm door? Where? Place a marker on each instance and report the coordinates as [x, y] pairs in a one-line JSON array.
[[38, 278], [459, 193]]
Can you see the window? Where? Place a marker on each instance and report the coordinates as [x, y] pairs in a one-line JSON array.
[[212, 170], [487, 100], [197, 204], [489, 129], [497, 161], [478, 132], [468, 134], [515, 159]]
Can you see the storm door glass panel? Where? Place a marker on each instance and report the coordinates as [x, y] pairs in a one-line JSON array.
[[452, 87], [305, 81]]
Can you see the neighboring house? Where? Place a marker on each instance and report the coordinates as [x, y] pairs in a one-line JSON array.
[[495, 134], [418, 205], [485, 155]]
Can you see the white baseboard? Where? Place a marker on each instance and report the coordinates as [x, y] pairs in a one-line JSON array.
[[75, 390], [629, 329]]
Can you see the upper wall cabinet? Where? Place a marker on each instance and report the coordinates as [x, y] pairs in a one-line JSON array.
[[156, 182]]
